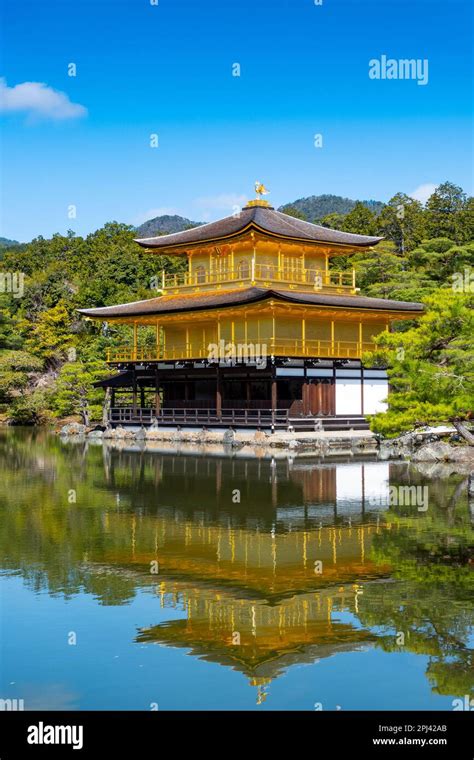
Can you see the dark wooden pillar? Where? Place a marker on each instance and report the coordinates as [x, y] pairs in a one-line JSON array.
[[319, 397], [106, 407], [112, 397], [326, 398], [274, 393], [274, 402], [134, 390], [218, 480], [142, 397], [157, 393], [332, 398], [248, 396], [305, 397], [218, 393]]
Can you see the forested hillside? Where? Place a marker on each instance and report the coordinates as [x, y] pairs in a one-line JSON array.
[[316, 207], [161, 225], [49, 356]]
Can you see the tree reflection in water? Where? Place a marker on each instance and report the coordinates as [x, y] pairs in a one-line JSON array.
[[88, 518]]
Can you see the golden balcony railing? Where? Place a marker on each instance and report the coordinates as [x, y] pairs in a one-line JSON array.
[[341, 349], [287, 276]]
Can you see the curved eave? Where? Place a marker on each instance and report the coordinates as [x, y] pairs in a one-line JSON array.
[[184, 246], [138, 309]]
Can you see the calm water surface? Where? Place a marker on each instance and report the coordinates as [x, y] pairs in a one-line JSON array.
[[131, 579]]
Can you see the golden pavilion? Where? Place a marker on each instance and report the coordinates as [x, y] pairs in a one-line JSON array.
[[260, 330]]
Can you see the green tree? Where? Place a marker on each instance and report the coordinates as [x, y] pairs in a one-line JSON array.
[[402, 222], [10, 337], [431, 367], [361, 220], [294, 212], [31, 408], [466, 221], [444, 212], [75, 392], [442, 260], [50, 337], [381, 273], [335, 221], [15, 371]]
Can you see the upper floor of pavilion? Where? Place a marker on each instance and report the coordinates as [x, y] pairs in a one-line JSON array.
[[258, 246]]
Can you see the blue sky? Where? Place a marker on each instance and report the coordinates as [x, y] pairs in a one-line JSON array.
[[166, 69]]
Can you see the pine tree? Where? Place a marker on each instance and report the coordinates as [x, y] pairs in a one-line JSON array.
[[444, 212], [431, 366], [75, 391], [360, 220], [402, 222]]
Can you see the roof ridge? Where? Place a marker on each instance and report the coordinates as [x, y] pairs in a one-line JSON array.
[[197, 227], [288, 217]]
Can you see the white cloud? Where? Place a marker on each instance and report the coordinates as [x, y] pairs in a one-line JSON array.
[[36, 99], [208, 206], [423, 192], [153, 212]]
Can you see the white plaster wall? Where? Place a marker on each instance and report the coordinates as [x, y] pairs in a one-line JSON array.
[[374, 393], [348, 396]]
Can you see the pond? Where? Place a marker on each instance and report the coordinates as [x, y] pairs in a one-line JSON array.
[[147, 579]]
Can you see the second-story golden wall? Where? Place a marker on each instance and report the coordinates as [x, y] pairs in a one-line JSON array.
[[285, 331], [254, 259]]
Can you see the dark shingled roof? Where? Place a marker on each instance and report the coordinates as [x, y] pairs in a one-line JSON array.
[[122, 380], [163, 305], [125, 379], [264, 219]]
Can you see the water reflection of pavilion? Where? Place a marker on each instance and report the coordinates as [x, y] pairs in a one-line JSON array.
[[266, 488], [259, 581], [258, 639], [265, 563]]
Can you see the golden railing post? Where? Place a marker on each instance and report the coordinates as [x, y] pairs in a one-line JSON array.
[[186, 350], [135, 340], [157, 340], [353, 278], [254, 258], [273, 330]]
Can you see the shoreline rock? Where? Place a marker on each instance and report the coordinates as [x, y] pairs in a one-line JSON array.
[[73, 429], [428, 445], [439, 451]]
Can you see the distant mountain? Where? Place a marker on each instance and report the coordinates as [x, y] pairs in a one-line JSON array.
[[316, 207], [6, 243], [164, 225]]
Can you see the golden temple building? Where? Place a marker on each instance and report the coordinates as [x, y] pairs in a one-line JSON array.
[[260, 330]]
